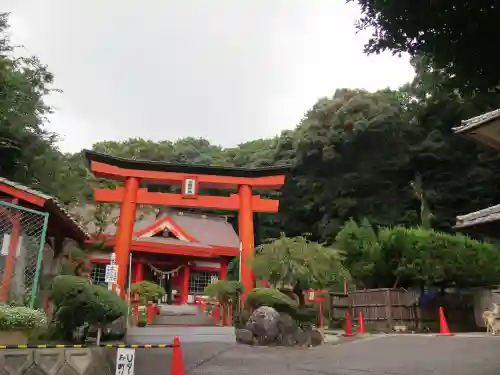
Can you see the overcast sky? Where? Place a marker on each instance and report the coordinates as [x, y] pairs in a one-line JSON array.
[[227, 70]]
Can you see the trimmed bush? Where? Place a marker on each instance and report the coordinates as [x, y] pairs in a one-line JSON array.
[[280, 302], [148, 291], [224, 291], [79, 303], [66, 287], [17, 318], [270, 297]]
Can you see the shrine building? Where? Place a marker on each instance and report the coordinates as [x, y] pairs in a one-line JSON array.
[[181, 251], [173, 246], [483, 129]]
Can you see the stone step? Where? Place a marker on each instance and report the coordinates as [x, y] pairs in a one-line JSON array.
[[189, 320], [182, 315], [165, 335]]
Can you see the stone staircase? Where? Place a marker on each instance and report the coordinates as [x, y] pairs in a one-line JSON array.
[[186, 321], [182, 315]]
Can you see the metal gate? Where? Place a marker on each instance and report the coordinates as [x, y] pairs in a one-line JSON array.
[[22, 239]]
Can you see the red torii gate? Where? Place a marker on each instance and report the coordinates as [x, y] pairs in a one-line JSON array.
[[191, 178]]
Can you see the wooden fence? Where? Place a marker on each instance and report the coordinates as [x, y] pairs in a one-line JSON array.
[[385, 308]]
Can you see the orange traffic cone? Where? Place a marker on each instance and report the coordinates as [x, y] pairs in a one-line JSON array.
[[177, 361], [348, 325], [361, 324], [443, 325]]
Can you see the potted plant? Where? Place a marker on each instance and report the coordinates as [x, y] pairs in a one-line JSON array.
[[17, 322]]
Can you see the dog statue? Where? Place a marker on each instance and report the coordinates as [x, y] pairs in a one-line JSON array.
[[491, 320]]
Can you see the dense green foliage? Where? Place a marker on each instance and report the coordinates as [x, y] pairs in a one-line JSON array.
[[20, 318], [224, 291], [280, 302], [457, 35], [78, 303], [269, 297], [388, 156], [299, 263], [148, 291], [392, 257]]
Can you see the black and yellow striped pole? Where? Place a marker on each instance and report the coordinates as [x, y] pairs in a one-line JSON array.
[[61, 346]]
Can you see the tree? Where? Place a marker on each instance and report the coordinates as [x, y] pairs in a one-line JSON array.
[[455, 34], [299, 263], [362, 252], [27, 150], [390, 257]]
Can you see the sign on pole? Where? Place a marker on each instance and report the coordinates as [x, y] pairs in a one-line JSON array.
[[125, 359], [111, 275]]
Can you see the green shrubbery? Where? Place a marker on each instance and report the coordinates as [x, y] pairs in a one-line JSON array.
[[280, 302], [78, 303], [398, 256], [20, 318], [225, 291], [148, 291]]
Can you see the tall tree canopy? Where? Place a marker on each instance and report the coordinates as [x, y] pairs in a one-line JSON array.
[[354, 154], [456, 34], [27, 150]]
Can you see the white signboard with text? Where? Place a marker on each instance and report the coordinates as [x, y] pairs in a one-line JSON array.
[[125, 359], [111, 275]]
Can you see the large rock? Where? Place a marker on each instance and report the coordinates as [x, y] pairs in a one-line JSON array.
[[264, 325], [268, 327], [244, 336]]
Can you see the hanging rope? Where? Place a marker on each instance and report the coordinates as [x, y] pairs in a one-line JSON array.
[[165, 274]]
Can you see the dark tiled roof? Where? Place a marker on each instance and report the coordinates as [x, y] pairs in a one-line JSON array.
[[183, 168], [475, 122], [52, 205], [487, 215]]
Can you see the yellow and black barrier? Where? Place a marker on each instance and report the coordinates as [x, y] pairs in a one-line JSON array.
[[61, 346]]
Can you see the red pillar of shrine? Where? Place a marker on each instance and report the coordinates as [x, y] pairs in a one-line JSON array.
[[184, 285], [126, 229], [138, 272], [223, 270], [246, 232]]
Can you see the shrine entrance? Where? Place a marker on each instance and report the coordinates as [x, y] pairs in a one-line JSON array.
[[193, 181]]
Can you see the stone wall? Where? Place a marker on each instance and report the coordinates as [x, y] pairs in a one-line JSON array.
[[84, 361]]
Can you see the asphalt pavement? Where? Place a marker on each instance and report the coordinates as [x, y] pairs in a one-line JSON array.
[[389, 355]]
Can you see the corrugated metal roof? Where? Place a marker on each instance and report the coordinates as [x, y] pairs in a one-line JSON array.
[[474, 122], [48, 198]]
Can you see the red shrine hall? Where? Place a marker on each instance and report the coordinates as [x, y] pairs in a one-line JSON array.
[[179, 249]]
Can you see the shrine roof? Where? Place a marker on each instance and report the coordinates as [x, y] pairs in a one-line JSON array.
[[170, 241], [481, 217], [476, 122], [46, 203], [203, 229], [160, 166]]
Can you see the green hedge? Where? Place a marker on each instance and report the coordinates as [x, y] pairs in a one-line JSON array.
[[20, 318]]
